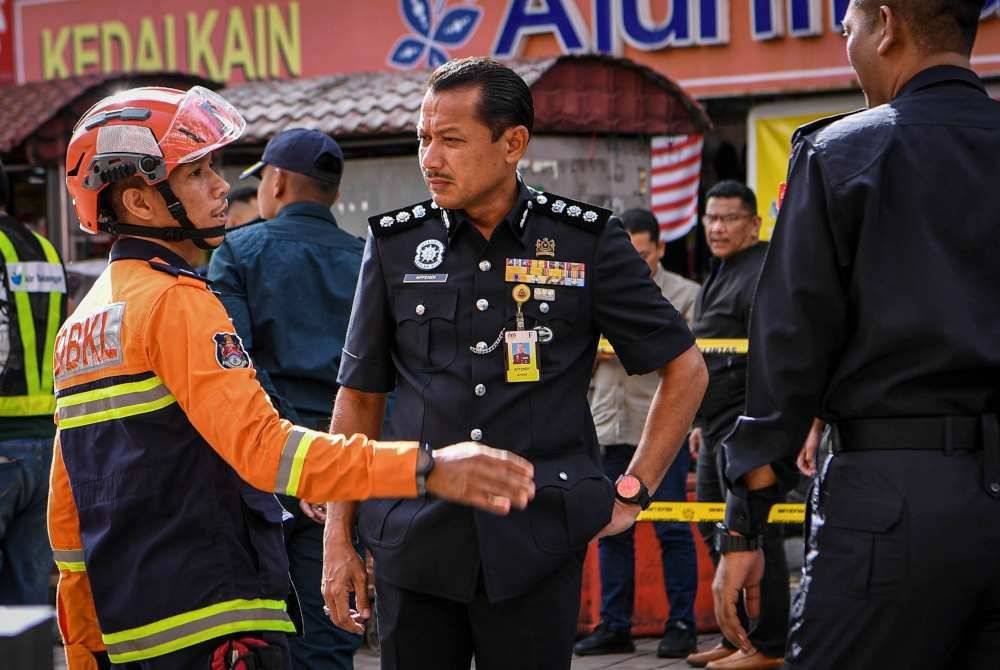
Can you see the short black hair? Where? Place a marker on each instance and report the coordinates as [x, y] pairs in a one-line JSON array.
[[937, 25], [4, 188], [730, 188], [504, 98], [642, 221], [242, 194]]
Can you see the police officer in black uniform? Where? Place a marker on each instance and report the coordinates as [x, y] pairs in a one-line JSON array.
[[482, 308], [876, 311]]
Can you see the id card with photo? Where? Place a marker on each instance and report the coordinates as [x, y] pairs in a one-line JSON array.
[[522, 356]]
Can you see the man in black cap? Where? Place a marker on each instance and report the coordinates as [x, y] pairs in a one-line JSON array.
[[278, 281]]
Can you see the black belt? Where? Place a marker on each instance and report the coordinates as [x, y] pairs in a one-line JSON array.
[[926, 433]]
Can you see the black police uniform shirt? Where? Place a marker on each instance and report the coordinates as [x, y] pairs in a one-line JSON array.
[[879, 293], [428, 318], [722, 311]]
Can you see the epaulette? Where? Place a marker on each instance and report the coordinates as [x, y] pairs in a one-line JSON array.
[[176, 272], [398, 220], [574, 212], [819, 124]]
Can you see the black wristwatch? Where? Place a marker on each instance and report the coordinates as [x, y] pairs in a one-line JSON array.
[[726, 543], [425, 463], [630, 489]]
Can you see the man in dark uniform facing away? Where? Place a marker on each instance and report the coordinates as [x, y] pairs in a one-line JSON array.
[[482, 308], [876, 312]]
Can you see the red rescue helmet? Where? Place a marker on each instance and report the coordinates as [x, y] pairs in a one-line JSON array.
[[146, 132]]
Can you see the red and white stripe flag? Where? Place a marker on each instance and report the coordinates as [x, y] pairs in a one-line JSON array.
[[676, 171]]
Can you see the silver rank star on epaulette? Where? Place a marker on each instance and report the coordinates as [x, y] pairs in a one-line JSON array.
[[402, 219], [579, 214]]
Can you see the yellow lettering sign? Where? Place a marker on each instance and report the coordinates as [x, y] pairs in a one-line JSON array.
[[147, 52], [236, 49], [199, 40], [170, 39], [53, 54], [113, 32], [285, 38], [84, 54]]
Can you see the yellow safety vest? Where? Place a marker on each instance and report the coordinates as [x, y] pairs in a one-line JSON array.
[[39, 399]]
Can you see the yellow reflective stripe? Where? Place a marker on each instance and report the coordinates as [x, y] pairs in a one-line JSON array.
[[109, 392], [716, 345], [71, 566], [293, 456], [117, 413], [189, 628], [25, 323], [27, 405], [52, 324]]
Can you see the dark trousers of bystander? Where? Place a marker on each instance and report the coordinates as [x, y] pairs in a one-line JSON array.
[[531, 632], [617, 552], [25, 555], [771, 633]]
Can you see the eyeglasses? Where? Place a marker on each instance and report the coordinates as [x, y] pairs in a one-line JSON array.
[[724, 219]]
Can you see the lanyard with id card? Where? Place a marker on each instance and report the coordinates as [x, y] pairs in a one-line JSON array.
[[521, 344]]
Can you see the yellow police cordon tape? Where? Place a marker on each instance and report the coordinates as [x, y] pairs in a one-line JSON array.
[[705, 511], [723, 346]]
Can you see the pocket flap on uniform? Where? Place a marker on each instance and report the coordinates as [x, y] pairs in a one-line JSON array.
[[870, 512], [566, 472], [424, 304]]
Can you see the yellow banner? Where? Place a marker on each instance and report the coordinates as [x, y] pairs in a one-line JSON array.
[[723, 346], [691, 512]]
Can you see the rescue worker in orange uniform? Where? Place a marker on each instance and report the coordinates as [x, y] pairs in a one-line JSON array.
[[162, 516]]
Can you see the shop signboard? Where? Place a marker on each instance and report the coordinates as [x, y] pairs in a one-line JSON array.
[[6, 42], [711, 47]]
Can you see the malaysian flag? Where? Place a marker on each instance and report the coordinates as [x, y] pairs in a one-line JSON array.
[[676, 170]]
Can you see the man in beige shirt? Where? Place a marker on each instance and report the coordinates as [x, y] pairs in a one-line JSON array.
[[619, 404]]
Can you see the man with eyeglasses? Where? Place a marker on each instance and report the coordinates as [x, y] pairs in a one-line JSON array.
[[722, 311]]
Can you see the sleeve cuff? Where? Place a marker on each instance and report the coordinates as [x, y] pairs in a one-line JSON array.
[[394, 470], [366, 374], [655, 350]]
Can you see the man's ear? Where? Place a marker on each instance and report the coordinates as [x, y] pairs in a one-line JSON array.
[[516, 143], [279, 184], [891, 29], [139, 202]]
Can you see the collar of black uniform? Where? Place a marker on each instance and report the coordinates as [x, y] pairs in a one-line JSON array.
[[305, 208], [145, 250], [940, 74], [513, 218]]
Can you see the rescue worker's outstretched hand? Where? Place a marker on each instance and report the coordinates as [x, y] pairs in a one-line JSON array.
[[489, 479], [343, 574], [738, 571]]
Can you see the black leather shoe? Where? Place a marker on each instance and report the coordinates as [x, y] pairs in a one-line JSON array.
[[679, 640], [605, 641]]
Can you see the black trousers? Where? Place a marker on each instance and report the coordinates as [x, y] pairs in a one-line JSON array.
[[902, 565], [772, 627], [535, 631]]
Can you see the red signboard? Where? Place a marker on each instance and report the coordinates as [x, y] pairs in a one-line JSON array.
[[6, 41], [711, 47]]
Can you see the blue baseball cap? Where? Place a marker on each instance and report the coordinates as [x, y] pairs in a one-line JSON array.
[[309, 152]]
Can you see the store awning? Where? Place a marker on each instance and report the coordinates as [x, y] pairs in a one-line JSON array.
[[38, 117], [572, 94]]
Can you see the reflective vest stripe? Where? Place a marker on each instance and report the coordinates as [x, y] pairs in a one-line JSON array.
[[190, 628], [39, 400], [114, 402], [52, 324], [69, 560], [293, 456]]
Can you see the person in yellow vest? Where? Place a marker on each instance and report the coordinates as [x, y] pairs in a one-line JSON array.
[[32, 305]]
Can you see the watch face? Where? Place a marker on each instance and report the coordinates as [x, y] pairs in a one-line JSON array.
[[628, 486]]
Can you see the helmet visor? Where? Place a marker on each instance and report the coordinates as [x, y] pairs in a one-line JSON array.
[[204, 122]]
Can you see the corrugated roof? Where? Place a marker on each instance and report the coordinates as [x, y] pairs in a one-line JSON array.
[[52, 107], [373, 104]]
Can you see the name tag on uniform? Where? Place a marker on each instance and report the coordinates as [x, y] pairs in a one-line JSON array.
[[554, 273], [522, 356], [425, 279], [36, 277]]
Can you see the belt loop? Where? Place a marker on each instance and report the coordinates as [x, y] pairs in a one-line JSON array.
[[836, 446], [991, 454], [949, 435]]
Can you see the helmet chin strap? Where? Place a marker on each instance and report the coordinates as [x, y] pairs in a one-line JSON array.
[[190, 231]]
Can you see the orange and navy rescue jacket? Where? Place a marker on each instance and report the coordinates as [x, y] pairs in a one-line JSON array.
[[166, 443]]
